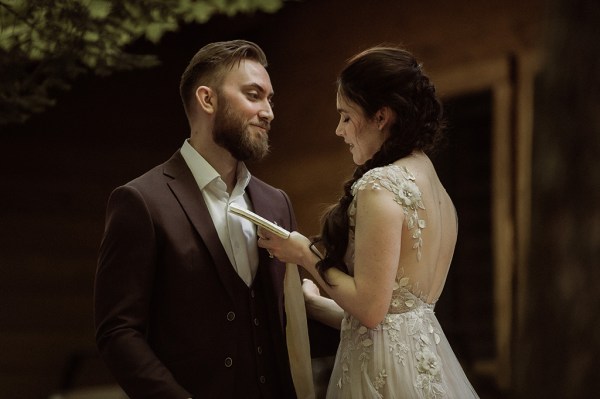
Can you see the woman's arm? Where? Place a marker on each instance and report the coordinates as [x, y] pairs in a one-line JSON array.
[[321, 308], [378, 232]]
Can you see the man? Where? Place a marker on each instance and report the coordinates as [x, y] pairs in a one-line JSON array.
[[186, 305]]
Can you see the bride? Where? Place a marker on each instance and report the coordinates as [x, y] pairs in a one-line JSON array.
[[386, 246]]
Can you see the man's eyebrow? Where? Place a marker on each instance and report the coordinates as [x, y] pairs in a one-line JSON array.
[[260, 89]]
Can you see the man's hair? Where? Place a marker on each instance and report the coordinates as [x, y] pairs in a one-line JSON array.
[[207, 67]]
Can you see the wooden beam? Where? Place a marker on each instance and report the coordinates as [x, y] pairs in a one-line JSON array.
[[502, 228], [463, 79], [495, 75]]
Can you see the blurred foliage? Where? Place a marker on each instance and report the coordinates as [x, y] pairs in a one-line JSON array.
[[46, 44]]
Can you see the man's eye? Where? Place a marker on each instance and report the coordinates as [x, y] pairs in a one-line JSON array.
[[253, 95]]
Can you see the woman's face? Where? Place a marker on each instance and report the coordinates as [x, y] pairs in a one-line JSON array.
[[361, 133]]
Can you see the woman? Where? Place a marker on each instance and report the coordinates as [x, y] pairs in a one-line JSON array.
[[389, 241]]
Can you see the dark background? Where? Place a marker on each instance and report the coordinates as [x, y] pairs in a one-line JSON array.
[[59, 167]]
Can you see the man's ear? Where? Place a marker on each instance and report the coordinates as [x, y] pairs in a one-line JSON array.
[[206, 99]]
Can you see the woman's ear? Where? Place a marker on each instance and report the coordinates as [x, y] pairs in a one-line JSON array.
[[206, 99], [384, 117]]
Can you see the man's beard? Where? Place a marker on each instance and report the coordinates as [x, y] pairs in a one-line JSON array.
[[231, 133]]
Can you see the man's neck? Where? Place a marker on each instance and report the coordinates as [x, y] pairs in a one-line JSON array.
[[219, 158]]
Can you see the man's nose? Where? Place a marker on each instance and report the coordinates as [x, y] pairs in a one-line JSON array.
[[267, 113]]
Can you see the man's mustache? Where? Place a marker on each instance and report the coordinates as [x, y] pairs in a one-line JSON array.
[[263, 124]]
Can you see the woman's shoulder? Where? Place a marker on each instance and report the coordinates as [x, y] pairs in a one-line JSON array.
[[390, 177]]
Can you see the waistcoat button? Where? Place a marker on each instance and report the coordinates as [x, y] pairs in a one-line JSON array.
[[230, 316], [259, 350], [262, 379], [228, 362], [256, 321]]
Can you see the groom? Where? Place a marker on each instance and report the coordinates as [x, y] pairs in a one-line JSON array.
[[186, 304]]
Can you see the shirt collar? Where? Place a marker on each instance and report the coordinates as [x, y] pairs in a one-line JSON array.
[[204, 173]]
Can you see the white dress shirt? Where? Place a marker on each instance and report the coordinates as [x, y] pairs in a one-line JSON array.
[[237, 234]]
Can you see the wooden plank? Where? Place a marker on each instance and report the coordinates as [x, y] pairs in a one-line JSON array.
[[55, 311], [502, 228], [42, 349], [494, 74], [528, 64], [476, 76]]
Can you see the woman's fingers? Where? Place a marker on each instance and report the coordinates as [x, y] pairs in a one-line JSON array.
[[263, 239], [309, 287]]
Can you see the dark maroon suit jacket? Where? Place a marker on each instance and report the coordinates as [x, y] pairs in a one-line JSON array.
[[163, 287]]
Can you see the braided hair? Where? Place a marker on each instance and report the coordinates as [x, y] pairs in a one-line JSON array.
[[382, 76]]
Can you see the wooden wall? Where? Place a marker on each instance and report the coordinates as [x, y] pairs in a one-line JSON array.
[[59, 168]]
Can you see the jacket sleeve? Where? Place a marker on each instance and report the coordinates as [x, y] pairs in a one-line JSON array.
[[122, 298]]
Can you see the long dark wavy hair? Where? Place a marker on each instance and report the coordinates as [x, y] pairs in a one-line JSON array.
[[382, 76]]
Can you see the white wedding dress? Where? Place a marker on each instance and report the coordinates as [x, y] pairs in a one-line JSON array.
[[407, 355]]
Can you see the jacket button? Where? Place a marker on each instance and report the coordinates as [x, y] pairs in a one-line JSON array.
[[262, 379], [230, 316], [228, 362], [256, 321], [259, 350]]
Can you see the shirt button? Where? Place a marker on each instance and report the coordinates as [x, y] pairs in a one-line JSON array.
[[228, 362], [259, 350], [230, 316], [256, 323], [262, 379]]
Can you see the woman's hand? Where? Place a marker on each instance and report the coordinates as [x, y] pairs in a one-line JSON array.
[[293, 249], [319, 307], [310, 289]]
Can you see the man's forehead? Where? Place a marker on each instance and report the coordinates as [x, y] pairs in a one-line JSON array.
[[248, 72]]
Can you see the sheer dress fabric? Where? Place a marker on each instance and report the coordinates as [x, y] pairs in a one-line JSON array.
[[407, 355]]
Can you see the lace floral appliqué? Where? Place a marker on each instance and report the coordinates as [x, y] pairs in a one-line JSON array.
[[410, 333], [359, 345], [404, 346], [406, 193]]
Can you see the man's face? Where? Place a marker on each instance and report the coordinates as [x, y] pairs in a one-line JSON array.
[[244, 111]]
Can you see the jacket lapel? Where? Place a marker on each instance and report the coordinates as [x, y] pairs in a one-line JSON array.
[[262, 202], [189, 196], [273, 270]]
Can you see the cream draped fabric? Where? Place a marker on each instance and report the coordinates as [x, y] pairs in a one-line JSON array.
[[297, 334]]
